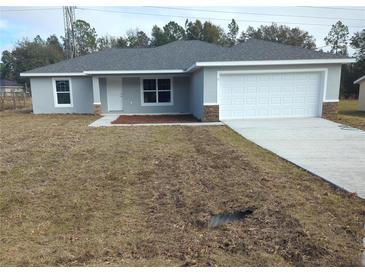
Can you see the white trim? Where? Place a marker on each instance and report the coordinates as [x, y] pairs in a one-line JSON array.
[[331, 101], [359, 80], [211, 104], [133, 71], [323, 70], [192, 67], [55, 74], [171, 103], [97, 103], [56, 104], [274, 62], [219, 72], [324, 92]]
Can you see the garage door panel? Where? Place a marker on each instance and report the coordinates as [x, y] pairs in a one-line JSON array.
[[270, 95]]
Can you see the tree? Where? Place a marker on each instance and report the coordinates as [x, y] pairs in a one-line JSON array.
[[194, 30], [351, 72], [213, 33], [119, 42], [337, 38], [207, 32], [7, 66], [358, 43], [158, 37], [85, 38], [54, 49], [104, 42], [281, 34], [232, 33], [173, 31], [29, 55], [137, 39]]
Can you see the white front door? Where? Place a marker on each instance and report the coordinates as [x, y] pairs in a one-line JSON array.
[[270, 95], [114, 93]]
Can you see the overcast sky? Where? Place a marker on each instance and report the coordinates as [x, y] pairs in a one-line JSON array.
[[16, 24]]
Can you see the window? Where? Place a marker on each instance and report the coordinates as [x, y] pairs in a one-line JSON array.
[[157, 92], [62, 92]]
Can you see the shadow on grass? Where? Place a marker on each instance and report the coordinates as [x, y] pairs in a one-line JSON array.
[[354, 113]]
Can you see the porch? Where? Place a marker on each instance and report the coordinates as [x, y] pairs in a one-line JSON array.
[[173, 94], [147, 94]]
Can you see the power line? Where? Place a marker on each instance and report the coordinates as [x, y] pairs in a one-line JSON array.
[[35, 9], [255, 13], [209, 18], [331, 8]]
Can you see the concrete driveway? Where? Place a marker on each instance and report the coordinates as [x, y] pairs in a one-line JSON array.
[[332, 151]]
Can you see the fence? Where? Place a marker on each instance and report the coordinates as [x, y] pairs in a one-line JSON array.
[[14, 98]]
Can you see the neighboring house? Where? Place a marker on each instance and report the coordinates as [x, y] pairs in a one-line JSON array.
[[8, 86], [361, 82], [255, 79]]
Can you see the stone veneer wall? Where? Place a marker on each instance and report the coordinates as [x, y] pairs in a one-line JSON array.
[[97, 109], [329, 110], [211, 113]]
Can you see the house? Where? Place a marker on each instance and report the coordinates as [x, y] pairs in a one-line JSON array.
[[254, 79], [9, 86], [361, 82]]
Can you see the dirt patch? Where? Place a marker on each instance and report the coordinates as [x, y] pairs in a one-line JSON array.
[[154, 119], [143, 196]]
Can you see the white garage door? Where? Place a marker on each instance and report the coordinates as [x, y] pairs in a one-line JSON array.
[[269, 95]]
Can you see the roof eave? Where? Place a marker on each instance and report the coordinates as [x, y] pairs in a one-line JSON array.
[[117, 72], [51, 74], [274, 62], [359, 80]]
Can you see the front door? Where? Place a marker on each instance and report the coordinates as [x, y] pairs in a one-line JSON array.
[[114, 93]]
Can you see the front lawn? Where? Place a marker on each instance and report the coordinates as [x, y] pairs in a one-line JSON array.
[[349, 114], [143, 196]]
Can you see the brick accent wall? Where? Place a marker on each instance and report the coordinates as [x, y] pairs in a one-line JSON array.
[[329, 110], [97, 109], [211, 113]]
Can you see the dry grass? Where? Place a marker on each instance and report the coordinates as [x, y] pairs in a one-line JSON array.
[[142, 196], [7, 103], [349, 114]]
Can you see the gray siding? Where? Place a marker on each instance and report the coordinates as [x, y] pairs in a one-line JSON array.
[[131, 94], [196, 93], [361, 103], [210, 79], [43, 101]]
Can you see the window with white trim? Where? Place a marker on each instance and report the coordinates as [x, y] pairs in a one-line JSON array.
[[62, 92], [157, 91]]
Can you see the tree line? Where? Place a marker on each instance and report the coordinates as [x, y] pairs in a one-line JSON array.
[[28, 54]]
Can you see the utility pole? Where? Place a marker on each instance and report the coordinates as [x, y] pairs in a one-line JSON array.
[[68, 21]]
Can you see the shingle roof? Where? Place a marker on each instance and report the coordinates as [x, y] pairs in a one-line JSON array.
[[181, 55], [8, 83]]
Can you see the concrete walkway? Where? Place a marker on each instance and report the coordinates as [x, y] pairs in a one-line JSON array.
[[332, 151]]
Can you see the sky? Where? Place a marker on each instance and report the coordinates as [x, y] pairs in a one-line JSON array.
[[27, 22]]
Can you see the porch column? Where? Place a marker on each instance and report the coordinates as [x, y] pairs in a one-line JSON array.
[[96, 95]]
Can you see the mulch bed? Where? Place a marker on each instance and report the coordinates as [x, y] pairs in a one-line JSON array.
[[150, 119]]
